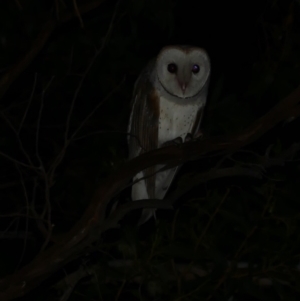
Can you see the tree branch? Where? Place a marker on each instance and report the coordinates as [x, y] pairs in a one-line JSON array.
[[87, 230], [38, 44]]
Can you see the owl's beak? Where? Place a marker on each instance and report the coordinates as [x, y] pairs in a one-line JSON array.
[[183, 78], [183, 87]]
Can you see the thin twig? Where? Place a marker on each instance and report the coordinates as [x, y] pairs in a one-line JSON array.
[[67, 140], [18, 139], [27, 214], [96, 108], [47, 207], [38, 44], [39, 123], [16, 161], [100, 132], [39, 220], [78, 13], [120, 290], [28, 105], [87, 70]]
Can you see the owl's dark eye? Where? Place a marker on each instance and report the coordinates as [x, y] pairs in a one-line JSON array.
[[172, 68], [195, 69]]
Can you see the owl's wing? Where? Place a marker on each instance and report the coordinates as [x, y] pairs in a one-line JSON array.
[[197, 123], [196, 126], [143, 125]]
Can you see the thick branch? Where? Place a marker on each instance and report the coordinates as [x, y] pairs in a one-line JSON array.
[[88, 229]]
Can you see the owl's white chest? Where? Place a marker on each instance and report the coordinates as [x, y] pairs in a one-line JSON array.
[[176, 120]]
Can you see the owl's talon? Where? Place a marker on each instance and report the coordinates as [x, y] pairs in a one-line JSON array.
[[188, 137], [198, 135], [195, 137], [176, 141]]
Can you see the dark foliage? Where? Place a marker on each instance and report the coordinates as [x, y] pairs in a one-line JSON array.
[[67, 70]]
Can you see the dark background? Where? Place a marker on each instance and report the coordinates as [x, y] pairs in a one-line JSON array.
[[68, 68]]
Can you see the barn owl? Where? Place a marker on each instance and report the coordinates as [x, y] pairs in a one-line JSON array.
[[168, 101]]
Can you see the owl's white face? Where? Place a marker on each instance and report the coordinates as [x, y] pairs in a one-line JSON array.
[[182, 71]]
